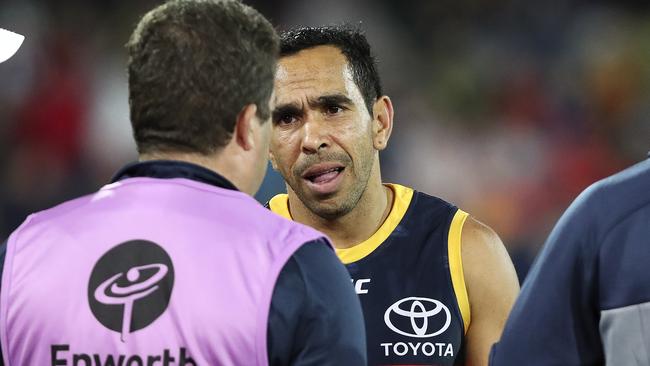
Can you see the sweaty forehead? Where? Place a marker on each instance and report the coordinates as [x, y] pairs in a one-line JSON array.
[[313, 72]]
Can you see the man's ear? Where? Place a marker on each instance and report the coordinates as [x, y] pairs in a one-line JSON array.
[[382, 127], [274, 165], [244, 127]]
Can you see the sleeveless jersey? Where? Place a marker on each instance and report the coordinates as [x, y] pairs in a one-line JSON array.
[[409, 278], [145, 272]]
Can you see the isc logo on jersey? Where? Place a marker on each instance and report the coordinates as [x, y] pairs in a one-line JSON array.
[[418, 317]]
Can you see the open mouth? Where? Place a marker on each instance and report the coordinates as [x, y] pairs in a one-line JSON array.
[[323, 176]]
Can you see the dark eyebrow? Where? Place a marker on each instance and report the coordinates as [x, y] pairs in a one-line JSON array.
[[295, 109], [290, 109], [330, 99]]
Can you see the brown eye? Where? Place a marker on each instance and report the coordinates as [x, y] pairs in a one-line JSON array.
[[286, 119], [334, 109]]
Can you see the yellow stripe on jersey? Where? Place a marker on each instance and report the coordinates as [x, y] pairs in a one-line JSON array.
[[401, 202], [280, 205], [402, 199], [456, 265]]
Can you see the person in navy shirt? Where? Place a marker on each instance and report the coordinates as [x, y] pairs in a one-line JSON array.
[[586, 300], [435, 284]]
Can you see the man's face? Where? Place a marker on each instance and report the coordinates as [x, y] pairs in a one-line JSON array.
[[322, 132]]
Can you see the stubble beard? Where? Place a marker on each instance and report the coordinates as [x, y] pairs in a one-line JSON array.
[[345, 205]]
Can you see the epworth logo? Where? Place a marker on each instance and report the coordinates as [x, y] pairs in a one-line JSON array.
[[418, 317], [130, 286]]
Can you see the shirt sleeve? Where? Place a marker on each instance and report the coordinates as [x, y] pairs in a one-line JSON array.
[[3, 253], [315, 316], [555, 318]]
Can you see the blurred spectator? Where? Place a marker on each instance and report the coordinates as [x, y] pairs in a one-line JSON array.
[[508, 109]]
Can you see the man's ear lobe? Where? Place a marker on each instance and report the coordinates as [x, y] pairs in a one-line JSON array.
[[274, 164], [382, 122], [243, 133]]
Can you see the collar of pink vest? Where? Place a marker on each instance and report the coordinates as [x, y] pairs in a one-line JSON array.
[[169, 169]]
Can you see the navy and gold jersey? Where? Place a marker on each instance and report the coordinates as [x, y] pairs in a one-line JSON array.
[[409, 277]]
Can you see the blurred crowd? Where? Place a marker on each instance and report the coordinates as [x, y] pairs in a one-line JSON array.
[[506, 108]]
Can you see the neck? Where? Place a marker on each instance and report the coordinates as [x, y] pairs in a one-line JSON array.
[[357, 225], [215, 162]]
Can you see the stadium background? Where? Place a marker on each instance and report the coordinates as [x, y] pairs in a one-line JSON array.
[[507, 108]]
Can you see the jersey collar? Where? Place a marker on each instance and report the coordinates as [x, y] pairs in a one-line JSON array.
[[402, 199], [169, 169]]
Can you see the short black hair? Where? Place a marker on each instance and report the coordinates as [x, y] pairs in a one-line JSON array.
[[353, 44], [193, 66]]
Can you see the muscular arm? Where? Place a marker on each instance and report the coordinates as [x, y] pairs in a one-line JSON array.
[[492, 287]]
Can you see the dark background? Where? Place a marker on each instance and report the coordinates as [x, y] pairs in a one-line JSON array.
[[506, 108]]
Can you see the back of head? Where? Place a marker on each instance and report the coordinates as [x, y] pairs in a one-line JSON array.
[[193, 66], [352, 43]]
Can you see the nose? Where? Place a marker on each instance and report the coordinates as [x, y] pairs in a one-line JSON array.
[[314, 137]]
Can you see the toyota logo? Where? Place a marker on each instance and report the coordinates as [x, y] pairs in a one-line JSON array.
[[424, 314]]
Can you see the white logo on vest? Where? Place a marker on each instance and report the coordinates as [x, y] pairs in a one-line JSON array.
[[130, 286], [128, 295]]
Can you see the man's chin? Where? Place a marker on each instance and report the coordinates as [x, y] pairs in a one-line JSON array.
[[329, 209], [328, 206]]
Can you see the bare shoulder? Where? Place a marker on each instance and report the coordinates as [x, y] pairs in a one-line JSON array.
[[482, 250], [492, 286]]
